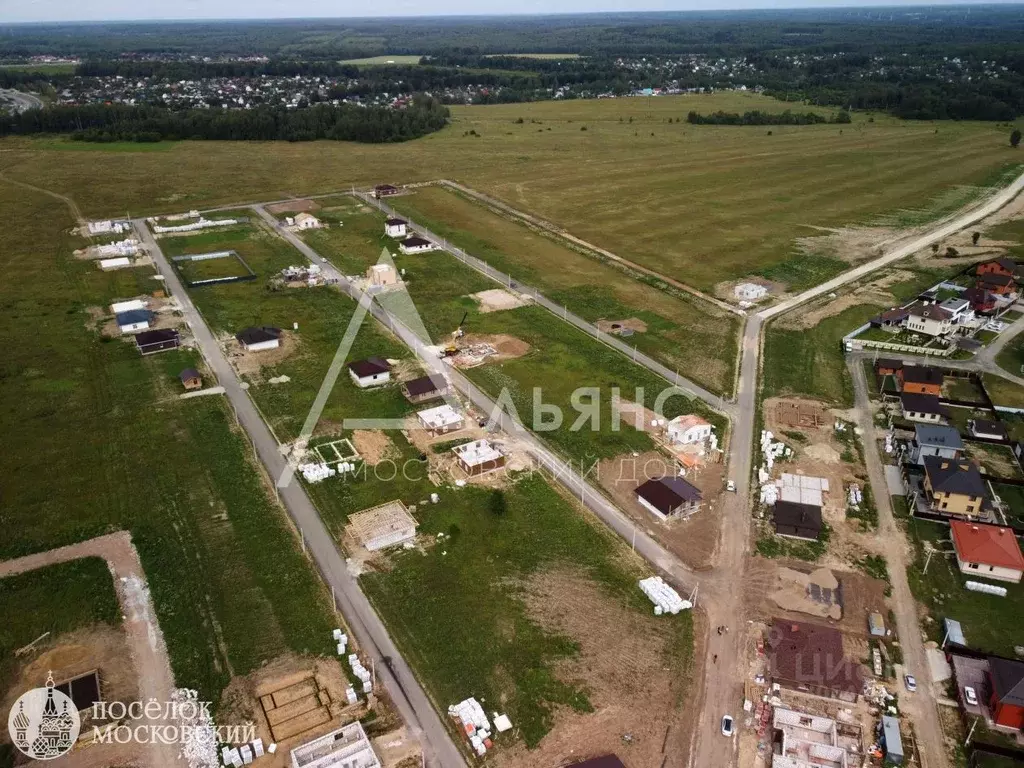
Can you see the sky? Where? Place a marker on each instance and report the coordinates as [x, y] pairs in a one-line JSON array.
[[127, 10]]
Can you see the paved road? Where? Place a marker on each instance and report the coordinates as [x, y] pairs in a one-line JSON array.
[[410, 699], [919, 707], [20, 100]]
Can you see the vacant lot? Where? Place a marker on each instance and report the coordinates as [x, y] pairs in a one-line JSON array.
[[700, 203], [118, 450], [695, 337], [355, 235], [373, 61]]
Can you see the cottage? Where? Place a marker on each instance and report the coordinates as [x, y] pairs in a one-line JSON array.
[[923, 408], [134, 320], [440, 420], [478, 457], [259, 339], [750, 292], [953, 487], [988, 430], [415, 245], [1001, 285], [887, 367], [149, 342], [810, 658], [190, 379], [307, 221], [1006, 682], [386, 525], [425, 388], [371, 372], [685, 430], [991, 551], [929, 319], [935, 440], [982, 302], [127, 306], [382, 275], [891, 319], [959, 309], [920, 379], [1004, 266], [384, 190], [797, 521], [396, 228], [668, 497]]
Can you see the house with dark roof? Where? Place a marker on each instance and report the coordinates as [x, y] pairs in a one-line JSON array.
[[1003, 266], [415, 245], [668, 497], [797, 521], [149, 342], [424, 388], [371, 372], [134, 320], [982, 302], [987, 429], [396, 227], [1006, 682], [891, 319], [935, 440], [928, 318], [1000, 285], [922, 408], [258, 339], [810, 658], [989, 551], [887, 366], [190, 379], [385, 190], [920, 380], [604, 761], [953, 487]]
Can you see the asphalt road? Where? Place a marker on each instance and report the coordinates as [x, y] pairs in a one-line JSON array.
[[397, 677]]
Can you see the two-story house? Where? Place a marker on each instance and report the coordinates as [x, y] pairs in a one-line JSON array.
[[953, 486]]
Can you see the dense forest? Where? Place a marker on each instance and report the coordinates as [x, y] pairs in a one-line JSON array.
[[104, 123], [756, 117]]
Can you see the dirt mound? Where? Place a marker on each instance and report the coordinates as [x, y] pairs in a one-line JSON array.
[[622, 664], [634, 324], [498, 299], [508, 347]]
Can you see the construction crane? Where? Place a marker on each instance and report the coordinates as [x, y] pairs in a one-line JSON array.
[[458, 333]]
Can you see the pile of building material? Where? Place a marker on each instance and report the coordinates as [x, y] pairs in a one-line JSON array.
[[855, 497], [200, 749], [120, 262], [473, 355], [311, 275], [803, 489], [771, 449], [474, 723], [341, 639], [315, 473], [665, 599], [361, 672], [889, 447], [195, 226], [245, 754], [108, 227], [127, 247], [769, 493]]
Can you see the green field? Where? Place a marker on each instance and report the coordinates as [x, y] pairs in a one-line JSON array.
[[1004, 392], [57, 68], [356, 235], [682, 333], [379, 61], [542, 56], [219, 556], [1012, 232], [699, 203]]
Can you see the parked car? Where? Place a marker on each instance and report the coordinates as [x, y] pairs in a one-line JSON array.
[[731, 486], [910, 682], [971, 696], [727, 725]]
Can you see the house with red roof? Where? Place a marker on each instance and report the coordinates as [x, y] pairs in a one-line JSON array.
[[1006, 682], [988, 551]]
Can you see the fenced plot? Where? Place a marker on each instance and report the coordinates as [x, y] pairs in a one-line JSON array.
[[336, 451], [214, 267]]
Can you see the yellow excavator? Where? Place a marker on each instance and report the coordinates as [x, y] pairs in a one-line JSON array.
[[453, 346]]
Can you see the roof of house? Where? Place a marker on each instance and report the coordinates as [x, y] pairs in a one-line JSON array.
[[938, 435], [987, 544], [667, 493], [995, 279], [385, 186], [395, 222], [790, 513], [889, 363], [604, 761], [893, 315], [979, 296], [133, 316], [916, 403], [414, 242], [988, 427], [812, 654], [1007, 680], [157, 336], [922, 374], [954, 476], [1005, 263], [371, 366], [956, 304], [687, 422], [928, 311], [425, 385], [259, 335], [303, 216], [189, 373]]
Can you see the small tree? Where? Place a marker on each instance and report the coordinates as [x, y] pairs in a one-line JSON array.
[[952, 252], [1015, 138], [975, 237], [935, 247]]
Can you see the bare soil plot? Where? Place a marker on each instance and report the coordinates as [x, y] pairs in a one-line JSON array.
[[294, 206], [251, 364], [373, 445], [634, 324], [498, 299], [623, 664], [995, 460], [507, 347]]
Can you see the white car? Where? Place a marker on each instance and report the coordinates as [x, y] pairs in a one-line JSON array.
[[970, 696], [731, 486], [727, 725], [910, 682]]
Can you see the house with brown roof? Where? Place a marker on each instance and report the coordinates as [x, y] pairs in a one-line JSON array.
[[920, 380], [928, 318], [424, 388], [668, 497], [371, 372], [797, 521], [1003, 266], [989, 551], [810, 658], [887, 367], [983, 302], [604, 761], [891, 319], [925, 409], [190, 379], [1001, 285]]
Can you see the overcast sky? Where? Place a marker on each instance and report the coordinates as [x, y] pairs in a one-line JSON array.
[[126, 10]]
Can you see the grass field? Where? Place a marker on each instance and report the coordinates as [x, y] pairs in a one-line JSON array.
[[356, 235], [701, 203], [118, 450], [379, 61], [560, 360], [56, 68], [1012, 231], [1004, 392], [682, 333], [542, 56]]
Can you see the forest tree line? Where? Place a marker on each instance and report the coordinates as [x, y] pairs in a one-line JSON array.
[[757, 117]]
